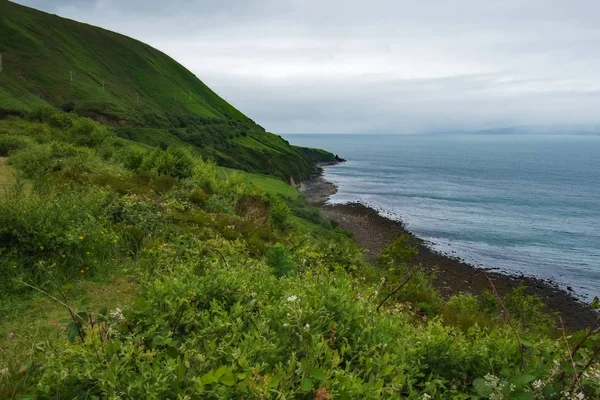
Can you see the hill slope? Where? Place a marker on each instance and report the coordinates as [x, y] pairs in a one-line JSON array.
[[146, 95]]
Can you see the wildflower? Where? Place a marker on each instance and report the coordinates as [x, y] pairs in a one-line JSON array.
[[292, 298], [307, 327], [14, 267], [42, 248], [426, 396], [3, 371], [11, 335], [82, 270], [117, 314], [538, 384], [81, 237]]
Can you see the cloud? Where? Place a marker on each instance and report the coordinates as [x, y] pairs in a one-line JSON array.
[[378, 66]]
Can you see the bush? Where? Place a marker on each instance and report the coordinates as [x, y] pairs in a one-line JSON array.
[[463, 311], [59, 159], [86, 132], [219, 205], [10, 144], [400, 251], [68, 107], [278, 258], [60, 120], [42, 114], [198, 197], [54, 236], [174, 161], [130, 158], [280, 212]]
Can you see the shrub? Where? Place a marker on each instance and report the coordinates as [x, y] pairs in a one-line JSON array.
[[400, 251], [278, 258], [86, 132], [219, 205], [42, 114], [198, 197], [174, 161], [463, 310], [60, 120], [62, 160], [68, 107], [130, 158], [280, 212], [54, 236], [10, 144]]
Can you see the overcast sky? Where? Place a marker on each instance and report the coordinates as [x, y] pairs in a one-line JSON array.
[[388, 66]]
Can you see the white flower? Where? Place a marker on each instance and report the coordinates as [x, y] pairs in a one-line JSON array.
[[292, 298], [3, 371], [426, 396], [117, 314], [538, 384], [307, 327]]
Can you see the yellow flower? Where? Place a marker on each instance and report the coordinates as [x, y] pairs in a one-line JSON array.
[[82, 271], [14, 266], [80, 237], [116, 237], [41, 247]]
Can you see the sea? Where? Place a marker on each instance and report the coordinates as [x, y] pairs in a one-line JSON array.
[[521, 204]]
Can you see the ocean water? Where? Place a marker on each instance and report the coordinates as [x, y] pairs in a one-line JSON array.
[[525, 204]]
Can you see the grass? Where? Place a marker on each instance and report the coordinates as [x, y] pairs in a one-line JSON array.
[[231, 286], [7, 174], [146, 95], [273, 186], [31, 41]]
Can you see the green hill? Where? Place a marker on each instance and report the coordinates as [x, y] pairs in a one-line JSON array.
[[143, 93], [132, 268]]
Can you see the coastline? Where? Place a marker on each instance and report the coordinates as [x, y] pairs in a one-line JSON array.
[[374, 232]]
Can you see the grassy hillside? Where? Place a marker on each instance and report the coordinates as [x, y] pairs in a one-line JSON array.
[[132, 272], [133, 266], [142, 92]]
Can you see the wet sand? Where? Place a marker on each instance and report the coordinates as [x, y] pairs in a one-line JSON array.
[[374, 232]]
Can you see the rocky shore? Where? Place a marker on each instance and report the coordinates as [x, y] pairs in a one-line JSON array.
[[374, 232]]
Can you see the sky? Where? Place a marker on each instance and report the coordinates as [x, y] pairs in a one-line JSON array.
[[378, 66]]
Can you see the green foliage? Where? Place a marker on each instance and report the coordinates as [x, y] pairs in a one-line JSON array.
[[398, 252], [58, 236], [280, 212], [10, 144], [85, 132], [243, 292], [526, 310], [59, 120], [127, 84], [175, 162], [278, 258]]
